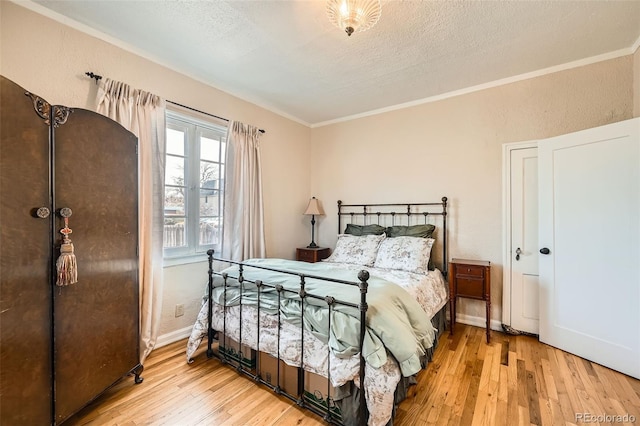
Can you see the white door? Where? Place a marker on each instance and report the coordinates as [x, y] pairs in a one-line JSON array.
[[589, 220], [523, 261]]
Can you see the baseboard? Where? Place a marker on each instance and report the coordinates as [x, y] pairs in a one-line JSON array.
[[174, 336], [478, 321]]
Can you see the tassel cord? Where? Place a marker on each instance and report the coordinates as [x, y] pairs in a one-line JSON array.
[[66, 265]]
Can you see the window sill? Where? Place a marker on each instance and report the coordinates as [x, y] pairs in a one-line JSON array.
[[184, 260]]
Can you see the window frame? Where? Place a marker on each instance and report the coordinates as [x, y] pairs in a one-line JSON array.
[[194, 128]]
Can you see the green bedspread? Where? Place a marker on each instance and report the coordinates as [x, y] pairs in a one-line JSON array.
[[395, 321]]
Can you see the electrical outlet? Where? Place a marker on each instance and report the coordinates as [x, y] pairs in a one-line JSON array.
[[179, 310]]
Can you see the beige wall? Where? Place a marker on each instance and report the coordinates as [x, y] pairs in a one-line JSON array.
[[450, 147], [453, 148], [50, 59], [636, 83]]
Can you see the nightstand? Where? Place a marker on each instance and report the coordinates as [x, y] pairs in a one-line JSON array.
[[312, 255], [471, 279]]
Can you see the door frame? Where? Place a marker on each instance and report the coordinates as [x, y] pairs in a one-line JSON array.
[[507, 148]]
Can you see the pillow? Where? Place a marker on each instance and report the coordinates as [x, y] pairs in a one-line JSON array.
[[359, 250], [421, 231], [364, 229], [409, 254]]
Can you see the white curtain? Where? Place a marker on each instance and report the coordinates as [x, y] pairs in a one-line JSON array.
[[143, 114], [243, 212]]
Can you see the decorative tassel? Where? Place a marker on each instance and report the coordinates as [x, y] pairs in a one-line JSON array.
[[66, 264]]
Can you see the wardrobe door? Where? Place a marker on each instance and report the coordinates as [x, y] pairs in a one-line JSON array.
[[96, 319], [25, 261]]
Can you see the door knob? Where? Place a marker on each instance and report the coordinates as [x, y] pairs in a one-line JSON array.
[[518, 252], [545, 250]]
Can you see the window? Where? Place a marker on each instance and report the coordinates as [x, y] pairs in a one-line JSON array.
[[194, 186]]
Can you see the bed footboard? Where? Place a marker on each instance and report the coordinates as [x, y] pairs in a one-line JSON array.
[[253, 368]]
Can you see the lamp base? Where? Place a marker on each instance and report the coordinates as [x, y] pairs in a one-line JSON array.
[[313, 232]]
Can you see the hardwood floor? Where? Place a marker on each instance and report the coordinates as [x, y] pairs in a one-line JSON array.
[[515, 380]]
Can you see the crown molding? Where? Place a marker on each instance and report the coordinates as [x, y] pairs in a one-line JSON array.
[[489, 85], [37, 8]]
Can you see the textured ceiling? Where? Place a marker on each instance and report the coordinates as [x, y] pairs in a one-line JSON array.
[[287, 56]]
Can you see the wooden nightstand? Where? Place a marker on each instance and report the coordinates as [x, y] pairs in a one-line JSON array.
[[472, 279], [312, 255]]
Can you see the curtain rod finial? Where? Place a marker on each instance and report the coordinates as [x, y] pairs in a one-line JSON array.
[[96, 77]]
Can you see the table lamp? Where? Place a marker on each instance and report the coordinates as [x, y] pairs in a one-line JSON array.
[[314, 208]]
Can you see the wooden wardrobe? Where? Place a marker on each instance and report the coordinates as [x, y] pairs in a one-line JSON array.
[[62, 346]]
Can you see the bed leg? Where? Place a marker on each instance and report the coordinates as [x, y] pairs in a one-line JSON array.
[[210, 334], [363, 276], [209, 342]]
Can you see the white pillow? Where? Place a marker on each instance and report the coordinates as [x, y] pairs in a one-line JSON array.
[[358, 250], [409, 254]]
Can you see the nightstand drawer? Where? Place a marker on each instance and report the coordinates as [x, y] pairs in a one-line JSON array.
[[470, 287], [307, 254], [470, 271]]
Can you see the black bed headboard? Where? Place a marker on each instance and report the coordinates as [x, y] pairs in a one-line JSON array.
[[399, 214]]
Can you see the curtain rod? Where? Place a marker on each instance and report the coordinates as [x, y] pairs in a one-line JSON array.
[[97, 77]]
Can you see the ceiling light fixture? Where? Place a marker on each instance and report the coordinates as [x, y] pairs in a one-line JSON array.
[[353, 15]]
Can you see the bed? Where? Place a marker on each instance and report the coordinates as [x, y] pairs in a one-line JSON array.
[[368, 317]]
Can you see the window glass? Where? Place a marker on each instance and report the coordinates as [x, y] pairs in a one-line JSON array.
[[174, 232], [210, 231], [209, 175], [209, 202], [174, 204], [174, 171], [209, 149], [175, 142], [194, 186]]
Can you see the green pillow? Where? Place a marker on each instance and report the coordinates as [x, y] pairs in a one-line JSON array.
[[359, 230], [420, 231]]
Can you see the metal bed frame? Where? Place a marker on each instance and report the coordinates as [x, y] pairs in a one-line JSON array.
[[328, 412], [384, 211]]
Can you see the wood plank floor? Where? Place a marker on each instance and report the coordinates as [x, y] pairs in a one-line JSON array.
[[515, 380]]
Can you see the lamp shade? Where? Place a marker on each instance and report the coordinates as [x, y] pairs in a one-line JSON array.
[[314, 207]]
